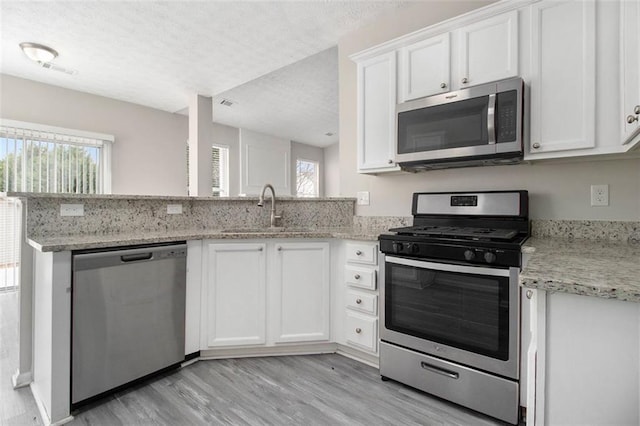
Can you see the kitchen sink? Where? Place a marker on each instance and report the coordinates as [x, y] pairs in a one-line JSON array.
[[263, 230]]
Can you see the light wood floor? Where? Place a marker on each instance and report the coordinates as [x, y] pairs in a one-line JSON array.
[[290, 390]]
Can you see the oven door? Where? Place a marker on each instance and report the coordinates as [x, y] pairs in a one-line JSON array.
[[465, 314]]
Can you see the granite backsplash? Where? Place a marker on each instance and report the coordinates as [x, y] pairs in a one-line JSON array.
[[118, 214]]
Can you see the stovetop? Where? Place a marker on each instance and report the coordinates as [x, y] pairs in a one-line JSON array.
[[461, 232], [485, 228]]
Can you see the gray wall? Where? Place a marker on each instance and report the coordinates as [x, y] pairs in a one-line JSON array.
[[332, 171], [149, 153], [558, 190]]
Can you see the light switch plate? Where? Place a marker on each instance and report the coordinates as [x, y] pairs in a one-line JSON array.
[[71, 209], [174, 208], [363, 198]]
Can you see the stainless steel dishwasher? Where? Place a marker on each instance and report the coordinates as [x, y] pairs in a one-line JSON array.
[[128, 313]]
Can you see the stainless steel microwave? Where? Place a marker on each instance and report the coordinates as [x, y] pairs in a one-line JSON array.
[[480, 125]]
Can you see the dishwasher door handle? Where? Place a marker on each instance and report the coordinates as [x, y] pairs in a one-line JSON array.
[[136, 257]]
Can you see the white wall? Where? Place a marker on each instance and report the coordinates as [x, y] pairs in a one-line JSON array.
[[558, 190], [332, 171], [300, 151], [149, 153], [264, 159]]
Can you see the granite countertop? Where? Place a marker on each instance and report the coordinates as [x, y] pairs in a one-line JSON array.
[[91, 241], [600, 268]]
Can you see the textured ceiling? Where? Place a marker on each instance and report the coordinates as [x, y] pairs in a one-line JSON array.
[[159, 53]]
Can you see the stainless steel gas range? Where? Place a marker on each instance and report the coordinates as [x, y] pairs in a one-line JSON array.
[[450, 314]]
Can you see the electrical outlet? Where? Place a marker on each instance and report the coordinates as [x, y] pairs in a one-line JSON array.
[[363, 198], [599, 195], [174, 208], [71, 209]]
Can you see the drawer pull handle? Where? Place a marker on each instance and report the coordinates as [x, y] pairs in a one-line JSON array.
[[356, 276], [439, 370], [358, 253], [358, 301], [358, 330]]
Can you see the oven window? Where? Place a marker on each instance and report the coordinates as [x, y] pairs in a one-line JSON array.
[[455, 125], [469, 312]]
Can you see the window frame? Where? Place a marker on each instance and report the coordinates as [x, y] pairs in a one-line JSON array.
[[316, 177], [223, 189], [69, 137]]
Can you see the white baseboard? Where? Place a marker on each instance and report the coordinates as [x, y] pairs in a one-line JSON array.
[[239, 352], [44, 416], [20, 380], [358, 355]]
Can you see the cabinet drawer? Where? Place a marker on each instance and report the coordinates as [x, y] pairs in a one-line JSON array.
[[362, 331], [360, 277], [359, 301], [362, 253]]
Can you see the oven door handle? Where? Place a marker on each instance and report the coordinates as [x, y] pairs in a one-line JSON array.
[[447, 267]]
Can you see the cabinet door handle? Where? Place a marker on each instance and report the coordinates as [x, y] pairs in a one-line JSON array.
[[465, 80], [536, 145], [389, 161], [631, 119], [279, 248], [443, 85], [356, 276], [358, 330], [636, 110], [529, 294], [260, 248], [358, 253], [358, 301]]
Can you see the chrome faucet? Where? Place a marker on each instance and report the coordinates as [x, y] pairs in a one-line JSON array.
[[274, 217]]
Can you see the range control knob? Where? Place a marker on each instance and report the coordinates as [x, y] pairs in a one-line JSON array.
[[469, 255], [412, 248], [489, 257], [397, 247]]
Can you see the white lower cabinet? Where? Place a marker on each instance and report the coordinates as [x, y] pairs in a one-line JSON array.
[[301, 290], [584, 360], [234, 308], [261, 293], [358, 288]]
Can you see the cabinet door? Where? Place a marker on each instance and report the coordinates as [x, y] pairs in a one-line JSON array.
[[235, 306], [376, 114], [488, 50], [424, 68], [301, 292], [562, 82], [630, 69]]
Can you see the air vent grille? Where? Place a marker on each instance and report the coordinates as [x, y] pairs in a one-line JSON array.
[[226, 102]]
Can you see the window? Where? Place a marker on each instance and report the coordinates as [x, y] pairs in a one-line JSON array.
[[307, 173], [220, 169], [38, 158]]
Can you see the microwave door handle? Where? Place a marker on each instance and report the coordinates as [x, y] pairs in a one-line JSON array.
[[491, 119]]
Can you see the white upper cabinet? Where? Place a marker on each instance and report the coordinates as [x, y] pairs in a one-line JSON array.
[[562, 76], [488, 50], [376, 114], [478, 53], [425, 68], [630, 71]]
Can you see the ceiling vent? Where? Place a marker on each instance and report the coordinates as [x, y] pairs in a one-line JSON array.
[[55, 67], [226, 102]]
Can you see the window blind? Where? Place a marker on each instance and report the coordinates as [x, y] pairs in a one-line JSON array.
[[37, 158]]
